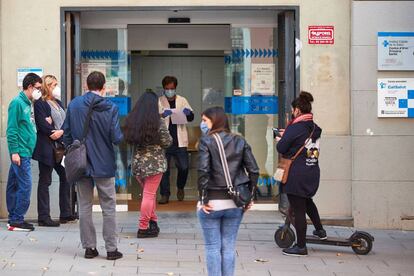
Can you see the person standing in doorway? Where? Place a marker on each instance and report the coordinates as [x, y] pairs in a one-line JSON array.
[[21, 141], [104, 132], [49, 117], [149, 137], [168, 103]]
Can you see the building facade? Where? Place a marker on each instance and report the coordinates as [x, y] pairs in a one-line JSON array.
[[249, 57]]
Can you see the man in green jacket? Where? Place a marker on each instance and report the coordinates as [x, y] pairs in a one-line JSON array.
[[21, 140]]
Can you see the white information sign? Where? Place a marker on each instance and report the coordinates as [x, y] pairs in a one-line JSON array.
[[263, 78], [396, 97], [396, 51], [89, 67], [22, 72]]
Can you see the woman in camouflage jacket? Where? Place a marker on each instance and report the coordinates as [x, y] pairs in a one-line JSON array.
[[149, 137]]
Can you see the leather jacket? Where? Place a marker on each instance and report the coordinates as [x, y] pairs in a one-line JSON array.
[[242, 165]]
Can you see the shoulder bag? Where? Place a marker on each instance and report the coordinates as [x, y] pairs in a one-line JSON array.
[[282, 171], [76, 161], [241, 194], [58, 151]]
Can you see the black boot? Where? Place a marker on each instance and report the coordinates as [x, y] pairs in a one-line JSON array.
[[91, 253], [48, 222], [114, 255], [180, 194], [321, 234], [296, 251], [69, 219], [164, 199], [147, 233], [154, 226]]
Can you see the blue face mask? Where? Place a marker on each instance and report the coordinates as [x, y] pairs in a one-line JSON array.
[[204, 128], [169, 93]]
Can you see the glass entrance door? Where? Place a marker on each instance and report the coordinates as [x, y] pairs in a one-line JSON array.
[[251, 98], [105, 50]]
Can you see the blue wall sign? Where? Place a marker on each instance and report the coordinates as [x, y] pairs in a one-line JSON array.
[[251, 105]]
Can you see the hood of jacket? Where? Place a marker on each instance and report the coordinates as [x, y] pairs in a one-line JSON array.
[[99, 103], [316, 133]]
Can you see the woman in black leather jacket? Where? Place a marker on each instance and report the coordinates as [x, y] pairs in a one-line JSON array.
[[219, 217]]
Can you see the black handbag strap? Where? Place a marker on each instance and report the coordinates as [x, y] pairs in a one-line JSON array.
[[87, 121]]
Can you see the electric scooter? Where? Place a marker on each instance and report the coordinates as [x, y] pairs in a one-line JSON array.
[[359, 241]]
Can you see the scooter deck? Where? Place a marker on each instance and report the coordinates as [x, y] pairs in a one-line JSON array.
[[329, 241]]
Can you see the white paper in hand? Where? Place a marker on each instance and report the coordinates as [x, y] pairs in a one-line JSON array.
[[178, 117]]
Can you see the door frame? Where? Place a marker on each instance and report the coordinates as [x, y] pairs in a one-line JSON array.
[[76, 67], [65, 10]]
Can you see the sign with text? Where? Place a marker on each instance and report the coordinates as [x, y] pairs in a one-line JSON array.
[[263, 79], [396, 51], [321, 34], [22, 72], [396, 97]]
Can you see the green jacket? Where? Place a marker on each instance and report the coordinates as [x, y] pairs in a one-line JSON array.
[[21, 128]]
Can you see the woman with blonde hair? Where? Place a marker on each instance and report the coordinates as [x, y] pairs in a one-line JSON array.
[[49, 116]]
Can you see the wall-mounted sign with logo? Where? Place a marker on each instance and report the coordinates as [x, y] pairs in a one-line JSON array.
[[396, 51], [396, 97], [321, 34]]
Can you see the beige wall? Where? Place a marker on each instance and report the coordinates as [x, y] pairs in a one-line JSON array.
[[31, 37], [383, 175], [324, 69]]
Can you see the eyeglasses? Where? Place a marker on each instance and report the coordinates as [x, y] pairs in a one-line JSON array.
[[37, 87]]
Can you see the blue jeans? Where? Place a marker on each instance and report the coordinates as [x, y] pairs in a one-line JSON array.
[[19, 188], [220, 234]]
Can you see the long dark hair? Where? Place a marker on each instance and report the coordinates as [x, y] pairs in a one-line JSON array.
[[143, 122], [219, 119], [303, 102]]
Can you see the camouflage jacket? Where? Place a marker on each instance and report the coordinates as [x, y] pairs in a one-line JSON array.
[[151, 160]]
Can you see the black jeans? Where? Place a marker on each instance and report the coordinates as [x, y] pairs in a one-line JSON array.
[[302, 206], [43, 199], [180, 156]]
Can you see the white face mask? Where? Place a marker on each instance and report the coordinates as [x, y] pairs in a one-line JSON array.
[[36, 94], [56, 93], [169, 93]]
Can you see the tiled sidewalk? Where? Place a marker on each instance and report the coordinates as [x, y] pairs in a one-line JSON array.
[[179, 251]]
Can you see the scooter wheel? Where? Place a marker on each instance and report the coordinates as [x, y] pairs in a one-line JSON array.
[[284, 237], [361, 243]]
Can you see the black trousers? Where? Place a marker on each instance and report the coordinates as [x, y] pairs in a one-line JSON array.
[[180, 156], [302, 206], [43, 198]]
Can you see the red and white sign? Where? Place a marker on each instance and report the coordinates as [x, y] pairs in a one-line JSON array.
[[321, 34]]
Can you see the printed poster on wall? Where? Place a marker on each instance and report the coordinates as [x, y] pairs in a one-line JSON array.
[[263, 78], [22, 72], [396, 51], [112, 82], [87, 68], [396, 97]]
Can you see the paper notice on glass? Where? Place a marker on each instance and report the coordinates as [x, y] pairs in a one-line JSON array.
[[178, 117], [263, 79]]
